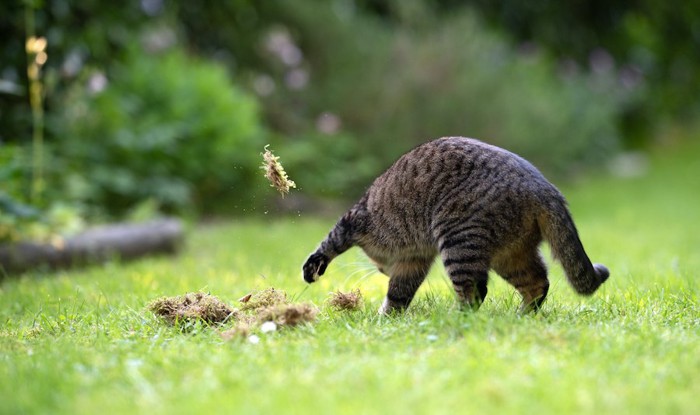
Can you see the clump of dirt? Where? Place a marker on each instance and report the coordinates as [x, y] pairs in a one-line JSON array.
[[346, 301], [288, 314], [240, 331], [262, 299], [191, 307], [256, 308]]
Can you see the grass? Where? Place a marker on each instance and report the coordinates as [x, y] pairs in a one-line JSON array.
[[82, 341]]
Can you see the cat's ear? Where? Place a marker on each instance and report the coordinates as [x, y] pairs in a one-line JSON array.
[[315, 266]]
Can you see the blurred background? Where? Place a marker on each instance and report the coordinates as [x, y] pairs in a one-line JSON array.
[[124, 110]]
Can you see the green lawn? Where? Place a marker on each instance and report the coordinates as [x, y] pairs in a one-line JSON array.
[[81, 341]]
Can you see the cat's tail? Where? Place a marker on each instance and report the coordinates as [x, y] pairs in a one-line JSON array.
[[559, 230]]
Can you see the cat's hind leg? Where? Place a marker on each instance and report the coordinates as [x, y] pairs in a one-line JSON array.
[[527, 272], [405, 279], [467, 265]]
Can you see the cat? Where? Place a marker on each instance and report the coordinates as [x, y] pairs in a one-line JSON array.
[[479, 207]]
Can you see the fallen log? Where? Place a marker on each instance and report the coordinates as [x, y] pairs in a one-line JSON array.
[[96, 245]]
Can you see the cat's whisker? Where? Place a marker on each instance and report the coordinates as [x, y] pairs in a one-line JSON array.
[[362, 279], [352, 274], [355, 264]]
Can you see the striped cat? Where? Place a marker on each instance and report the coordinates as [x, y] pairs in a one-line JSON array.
[[480, 207]]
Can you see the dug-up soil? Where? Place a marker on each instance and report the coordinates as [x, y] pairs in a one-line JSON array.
[[269, 305]]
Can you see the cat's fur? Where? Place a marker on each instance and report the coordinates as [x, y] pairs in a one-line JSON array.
[[480, 207]]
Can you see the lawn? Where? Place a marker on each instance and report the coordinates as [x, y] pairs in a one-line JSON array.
[[82, 342]]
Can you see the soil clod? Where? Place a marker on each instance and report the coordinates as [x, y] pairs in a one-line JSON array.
[[288, 314], [349, 301], [256, 309], [265, 298], [191, 307]]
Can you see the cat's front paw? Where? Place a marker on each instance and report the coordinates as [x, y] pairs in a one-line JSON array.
[[314, 267]]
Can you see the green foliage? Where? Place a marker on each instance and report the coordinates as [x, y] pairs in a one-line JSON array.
[[391, 74], [649, 42], [14, 169], [15, 218], [452, 77], [127, 127], [393, 83], [79, 34], [159, 126], [337, 166], [20, 222]]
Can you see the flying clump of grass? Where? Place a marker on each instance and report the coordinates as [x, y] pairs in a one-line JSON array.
[[275, 174]]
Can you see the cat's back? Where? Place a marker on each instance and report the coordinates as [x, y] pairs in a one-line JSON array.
[[454, 165], [448, 178]]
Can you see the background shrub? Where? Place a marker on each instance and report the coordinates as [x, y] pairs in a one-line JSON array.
[[165, 127], [410, 86], [344, 87]]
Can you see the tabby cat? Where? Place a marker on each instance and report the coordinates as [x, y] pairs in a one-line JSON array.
[[480, 207]]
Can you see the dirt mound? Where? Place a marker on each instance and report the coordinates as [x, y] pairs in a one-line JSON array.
[[288, 314], [191, 307], [256, 308], [346, 301], [262, 299]]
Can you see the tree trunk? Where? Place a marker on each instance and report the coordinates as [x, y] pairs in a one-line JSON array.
[[120, 241]]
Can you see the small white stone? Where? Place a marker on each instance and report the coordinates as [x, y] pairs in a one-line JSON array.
[[268, 326], [253, 339]]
